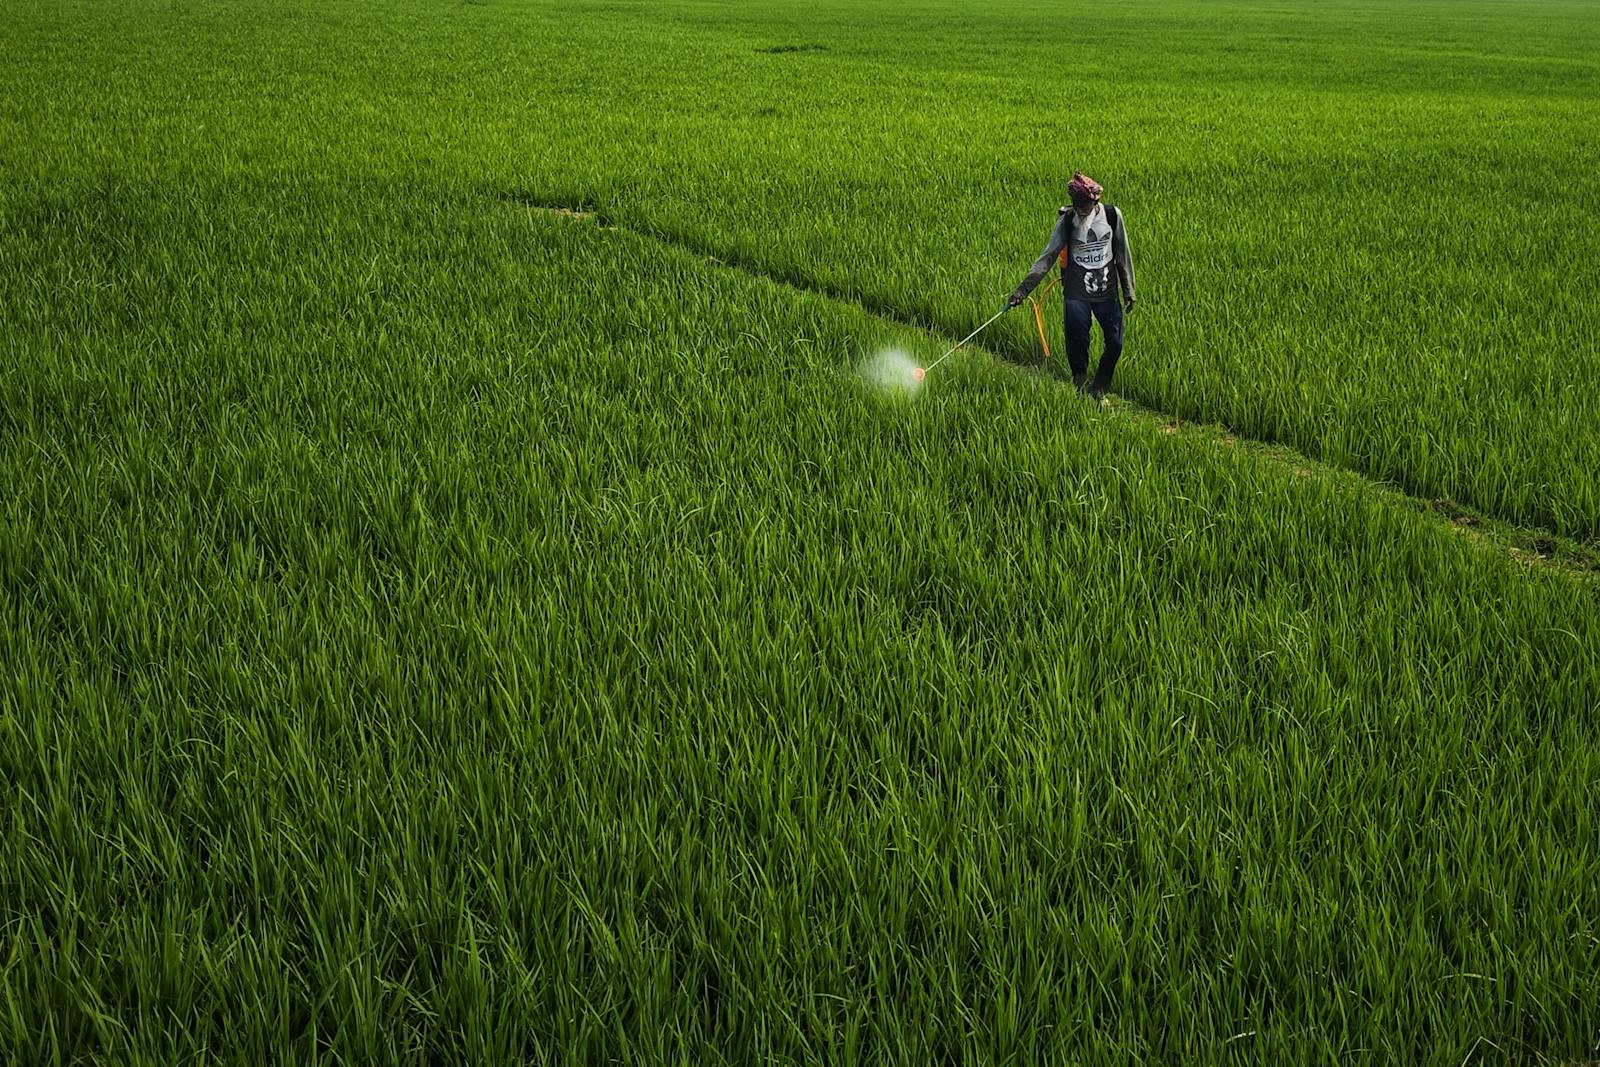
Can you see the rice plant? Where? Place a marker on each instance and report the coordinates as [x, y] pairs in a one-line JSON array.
[[460, 602]]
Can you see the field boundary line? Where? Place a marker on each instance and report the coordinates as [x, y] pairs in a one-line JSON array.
[[1532, 546]]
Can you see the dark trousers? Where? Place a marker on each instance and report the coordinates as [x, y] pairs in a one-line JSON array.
[[1077, 316]]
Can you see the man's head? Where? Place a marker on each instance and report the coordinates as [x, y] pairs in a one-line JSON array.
[[1084, 191]]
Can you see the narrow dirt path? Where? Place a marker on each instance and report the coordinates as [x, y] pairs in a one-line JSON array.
[[1531, 545]]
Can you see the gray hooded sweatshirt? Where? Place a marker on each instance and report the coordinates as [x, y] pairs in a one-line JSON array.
[[1097, 258]]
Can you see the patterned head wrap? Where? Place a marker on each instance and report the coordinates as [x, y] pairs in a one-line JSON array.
[[1083, 187]]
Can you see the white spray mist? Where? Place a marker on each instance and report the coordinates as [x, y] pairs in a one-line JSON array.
[[892, 371]]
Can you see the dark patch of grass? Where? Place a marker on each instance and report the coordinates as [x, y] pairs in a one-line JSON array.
[[578, 208], [783, 49]]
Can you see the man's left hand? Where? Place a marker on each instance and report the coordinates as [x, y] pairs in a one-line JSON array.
[[1127, 305]]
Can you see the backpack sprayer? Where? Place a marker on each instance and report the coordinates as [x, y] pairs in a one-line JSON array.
[[1113, 219]]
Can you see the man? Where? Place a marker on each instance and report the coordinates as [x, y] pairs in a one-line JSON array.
[[1092, 246]]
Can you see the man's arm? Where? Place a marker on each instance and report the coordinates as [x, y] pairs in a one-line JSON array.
[[1041, 266], [1124, 257]]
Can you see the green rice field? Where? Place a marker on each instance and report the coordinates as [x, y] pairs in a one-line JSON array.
[[460, 601]]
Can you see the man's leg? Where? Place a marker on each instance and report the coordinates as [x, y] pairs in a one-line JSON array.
[[1109, 312], [1076, 318]]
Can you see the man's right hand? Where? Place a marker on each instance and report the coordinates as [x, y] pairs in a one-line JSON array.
[[1014, 300]]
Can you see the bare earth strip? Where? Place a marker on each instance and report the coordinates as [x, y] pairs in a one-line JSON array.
[[1530, 545]]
